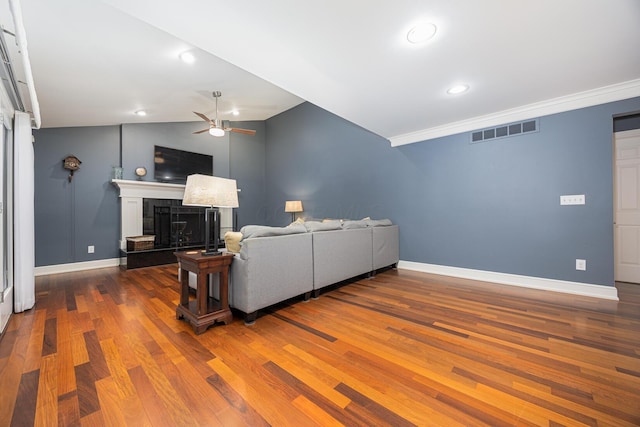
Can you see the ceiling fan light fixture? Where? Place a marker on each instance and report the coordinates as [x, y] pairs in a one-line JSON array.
[[422, 32], [216, 132], [217, 127]]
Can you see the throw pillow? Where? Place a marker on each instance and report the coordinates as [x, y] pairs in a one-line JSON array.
[[297, 221], [349, 224], [232, 241]]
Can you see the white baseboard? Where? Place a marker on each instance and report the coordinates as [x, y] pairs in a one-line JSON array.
[[76, 266], [575, 288]]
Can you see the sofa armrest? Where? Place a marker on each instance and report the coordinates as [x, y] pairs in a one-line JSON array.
[[386, 246]]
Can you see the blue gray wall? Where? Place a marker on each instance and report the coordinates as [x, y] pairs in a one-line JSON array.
[[247, 167], [69, 216], [490, 206], [337, 169]]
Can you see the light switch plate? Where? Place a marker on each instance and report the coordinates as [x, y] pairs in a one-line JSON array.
[[574, 199], [581, 264]]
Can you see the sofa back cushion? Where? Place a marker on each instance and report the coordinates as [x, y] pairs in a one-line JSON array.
[[252, 231], [322, 226]]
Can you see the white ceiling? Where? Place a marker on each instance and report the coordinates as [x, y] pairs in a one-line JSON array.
[[96, 62]]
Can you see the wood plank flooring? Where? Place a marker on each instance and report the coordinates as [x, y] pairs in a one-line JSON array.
[[103, 347]]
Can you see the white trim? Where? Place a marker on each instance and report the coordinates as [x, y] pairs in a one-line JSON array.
[[21, 41], [149, 189], [589, 98], [76, 266], [575, 288]]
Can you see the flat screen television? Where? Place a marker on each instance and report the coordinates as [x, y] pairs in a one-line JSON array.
[[172, 165]]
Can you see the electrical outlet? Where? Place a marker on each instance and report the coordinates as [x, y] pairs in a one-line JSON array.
[[581, 264], [91, 249]]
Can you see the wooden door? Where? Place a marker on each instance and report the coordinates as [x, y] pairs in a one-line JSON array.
[[627, 206]]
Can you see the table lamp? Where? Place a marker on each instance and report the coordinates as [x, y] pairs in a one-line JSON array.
[[211, 192], [293, 206]]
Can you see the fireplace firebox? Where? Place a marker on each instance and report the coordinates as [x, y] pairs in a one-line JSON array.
[[174, 225]]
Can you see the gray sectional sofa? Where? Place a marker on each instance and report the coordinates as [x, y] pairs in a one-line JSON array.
[[300, 260]]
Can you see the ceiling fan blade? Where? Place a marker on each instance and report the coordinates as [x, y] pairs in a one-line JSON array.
[[203, 117], [201, 131], [245, 131]]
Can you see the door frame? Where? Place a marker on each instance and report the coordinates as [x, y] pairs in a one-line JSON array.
[[621, 134]]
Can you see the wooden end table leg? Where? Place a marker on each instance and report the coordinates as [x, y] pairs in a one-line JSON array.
[[202, 293], [184, 291]]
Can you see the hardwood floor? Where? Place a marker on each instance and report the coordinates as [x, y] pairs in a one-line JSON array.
[[103, 347]]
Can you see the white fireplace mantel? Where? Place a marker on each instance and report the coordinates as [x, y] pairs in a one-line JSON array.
[[132, 194], [149, 190]]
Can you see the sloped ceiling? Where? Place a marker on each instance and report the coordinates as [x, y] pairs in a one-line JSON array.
[[97, 61]]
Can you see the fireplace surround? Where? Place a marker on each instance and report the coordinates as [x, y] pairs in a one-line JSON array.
[[132, 203]]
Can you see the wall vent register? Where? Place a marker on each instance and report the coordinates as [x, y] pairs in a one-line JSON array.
[[504, 131]]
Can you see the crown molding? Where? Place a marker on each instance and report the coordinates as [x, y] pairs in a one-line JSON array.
[[616, 92]]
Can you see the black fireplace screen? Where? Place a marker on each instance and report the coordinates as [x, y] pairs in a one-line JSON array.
[[174, 225]]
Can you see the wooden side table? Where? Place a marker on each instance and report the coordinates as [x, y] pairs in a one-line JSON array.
[[204, 310]]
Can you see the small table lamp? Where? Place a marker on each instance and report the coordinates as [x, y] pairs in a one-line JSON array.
[[293, 206], [212, 192]]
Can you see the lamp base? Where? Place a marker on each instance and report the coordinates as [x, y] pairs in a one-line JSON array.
[[211, 252], [208, 250]]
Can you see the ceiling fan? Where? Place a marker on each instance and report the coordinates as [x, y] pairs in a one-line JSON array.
[[216, 128]]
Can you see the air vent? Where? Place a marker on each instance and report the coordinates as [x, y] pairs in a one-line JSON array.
[[505, 131]]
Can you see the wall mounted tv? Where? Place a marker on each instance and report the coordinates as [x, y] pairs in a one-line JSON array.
[[172, 165]]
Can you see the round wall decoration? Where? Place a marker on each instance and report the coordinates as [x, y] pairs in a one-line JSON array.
[[140, 172]]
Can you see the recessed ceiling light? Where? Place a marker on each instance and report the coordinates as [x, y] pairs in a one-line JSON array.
[[235, 112], [141, 113], [454, 90], [422, 32], [187, 57]]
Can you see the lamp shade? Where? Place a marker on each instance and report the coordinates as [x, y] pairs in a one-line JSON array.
[[293, 206], [205, 190]]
